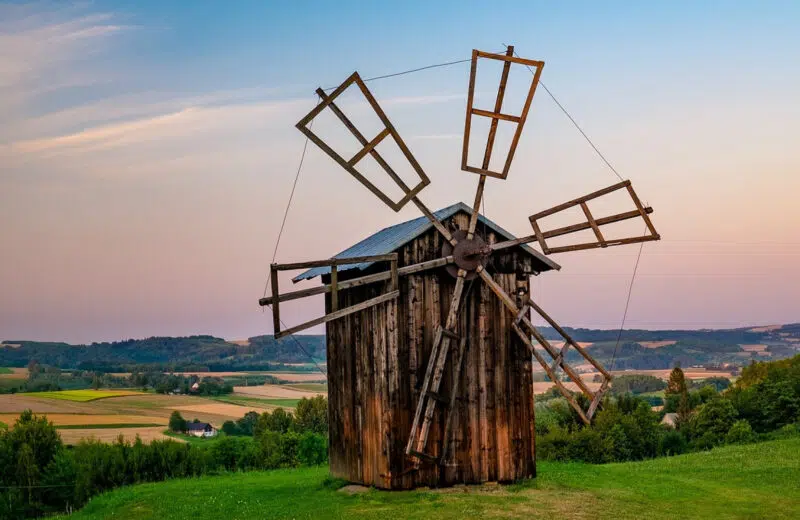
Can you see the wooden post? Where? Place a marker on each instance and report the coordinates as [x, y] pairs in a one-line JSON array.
[[335, 288], [276, 316]]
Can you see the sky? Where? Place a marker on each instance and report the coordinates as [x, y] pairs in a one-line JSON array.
[[148, 150]]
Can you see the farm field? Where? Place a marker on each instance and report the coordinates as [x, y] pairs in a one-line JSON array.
[[83, 396], [281, 391], [13, 373], [751, 481], [106, 418]]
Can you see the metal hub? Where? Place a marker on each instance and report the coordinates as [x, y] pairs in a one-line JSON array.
[[468, 254]]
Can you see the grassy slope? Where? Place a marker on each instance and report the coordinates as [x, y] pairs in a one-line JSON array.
[[758, 480]]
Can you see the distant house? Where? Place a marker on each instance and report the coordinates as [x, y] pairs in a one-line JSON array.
[[670, 419], [195, 387], [200, 429]]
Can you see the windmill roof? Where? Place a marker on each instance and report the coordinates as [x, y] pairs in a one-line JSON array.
[[394, 237]]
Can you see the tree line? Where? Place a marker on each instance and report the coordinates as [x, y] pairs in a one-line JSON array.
[[764, 403], [39, 475]]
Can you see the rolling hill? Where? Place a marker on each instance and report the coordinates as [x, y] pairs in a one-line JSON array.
[[751, 481], [638, 349]]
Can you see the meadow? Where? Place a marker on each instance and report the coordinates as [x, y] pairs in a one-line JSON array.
[[748, 481]]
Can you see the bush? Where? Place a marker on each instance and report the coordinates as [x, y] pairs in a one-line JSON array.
[[176, 422], [672, 443], [311, 415], [711, 423], [740, 433], [312, 449]]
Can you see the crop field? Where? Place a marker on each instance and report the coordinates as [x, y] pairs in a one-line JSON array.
[[83, 396], [89, 420], [296, 377], [752, 481], [147, 434], [258, 402], [281, 391], [129, 414], [13, 373]]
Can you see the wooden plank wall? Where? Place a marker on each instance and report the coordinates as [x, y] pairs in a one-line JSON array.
[[377, 358]]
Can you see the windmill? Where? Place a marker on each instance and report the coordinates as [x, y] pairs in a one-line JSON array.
[[465, 253]]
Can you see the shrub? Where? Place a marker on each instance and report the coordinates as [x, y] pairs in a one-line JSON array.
[[740, 433], [672, 443], [712, 421], [312, 449], [176, 422], [311, 415]]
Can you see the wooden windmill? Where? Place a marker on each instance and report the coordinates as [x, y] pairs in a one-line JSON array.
[[430, 376]]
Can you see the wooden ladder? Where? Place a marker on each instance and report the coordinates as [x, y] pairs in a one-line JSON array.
[[429, 392], [525, 329]]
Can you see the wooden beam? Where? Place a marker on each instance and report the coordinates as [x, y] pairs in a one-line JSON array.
[[498, 105], [594, 225], [598, 396], [335, 261], [334, 289], [594, 245], [575, 202], [462, 346], [340, 313], [495, 115], [561, 388], [356, 282], [470, 99], [523, 116], [369, 147], [569, 229], [276, 316], [568, 338], [642, 211], [512, 59]]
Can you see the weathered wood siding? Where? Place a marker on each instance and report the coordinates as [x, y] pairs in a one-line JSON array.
[[377, 358]]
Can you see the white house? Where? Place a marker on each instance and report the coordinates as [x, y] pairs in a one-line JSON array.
[[200, 429]]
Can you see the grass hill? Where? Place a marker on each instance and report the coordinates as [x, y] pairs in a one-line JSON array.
[[639, 349], [751, 481]]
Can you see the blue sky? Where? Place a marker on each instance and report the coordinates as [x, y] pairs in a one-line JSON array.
[[148, 148]]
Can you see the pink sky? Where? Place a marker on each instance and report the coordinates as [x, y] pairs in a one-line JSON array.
[[141, 210]]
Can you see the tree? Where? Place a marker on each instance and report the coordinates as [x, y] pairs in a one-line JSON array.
[[712, 422], [676, 386], [311, 415], [176, 422], [676, 383], [230, 428], [740, 433]]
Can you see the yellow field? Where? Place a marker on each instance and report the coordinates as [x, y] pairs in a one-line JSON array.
[[83, 396]]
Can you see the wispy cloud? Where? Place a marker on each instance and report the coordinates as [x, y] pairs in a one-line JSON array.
[[41, 47]]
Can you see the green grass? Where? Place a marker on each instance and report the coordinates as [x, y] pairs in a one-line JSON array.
[[81, 396], [753, 481], [104, 426], [257, 401], [6, 370]]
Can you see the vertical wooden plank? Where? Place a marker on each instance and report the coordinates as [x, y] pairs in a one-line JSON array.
[[276, 316], [483, 419], [334, 288]]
